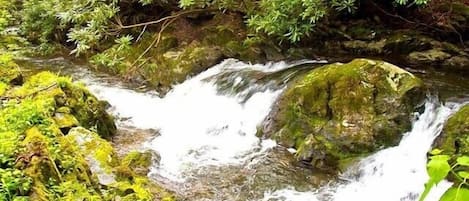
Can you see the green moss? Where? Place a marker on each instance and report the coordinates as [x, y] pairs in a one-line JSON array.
[[9, 71], [65, 120], [325, 126], [455, 136], [428, 57], [137, 159], [365, 47], [39, 162]]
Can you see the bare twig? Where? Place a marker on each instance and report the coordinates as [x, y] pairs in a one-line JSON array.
[[454, 30], [153, 44], [120, 26]]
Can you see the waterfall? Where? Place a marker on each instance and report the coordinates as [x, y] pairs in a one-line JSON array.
[[207, 125], [199, 124]]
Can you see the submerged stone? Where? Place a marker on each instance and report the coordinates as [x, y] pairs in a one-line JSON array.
[[340, 111]]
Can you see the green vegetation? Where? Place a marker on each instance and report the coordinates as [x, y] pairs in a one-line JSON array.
[[88, 25], [453, 167], [450, 160], [5, 15], [43, 158]]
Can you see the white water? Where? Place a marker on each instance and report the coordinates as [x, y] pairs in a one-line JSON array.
[[198, 126], [393, 174]]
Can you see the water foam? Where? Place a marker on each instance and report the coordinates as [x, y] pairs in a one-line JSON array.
[[198, 125]]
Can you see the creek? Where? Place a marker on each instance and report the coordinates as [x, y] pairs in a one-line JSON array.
[[203, 134]]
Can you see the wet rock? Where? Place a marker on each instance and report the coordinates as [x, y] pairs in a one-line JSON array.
[[10, 72], [341, 111], [455, 135], [140, 162], [405, 42], [457, 63], [428, 57], [65, 121], [364, 47], [98, 153]]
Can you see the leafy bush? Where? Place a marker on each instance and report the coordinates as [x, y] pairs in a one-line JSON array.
[[442, 166], [87, 23], [84, 22], [14, 185], [293, 20], [5, 15]]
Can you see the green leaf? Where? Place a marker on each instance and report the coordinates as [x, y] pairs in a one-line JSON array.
[[437, 169], [436, 152], [463, 160], [440, 157], [464, 174], [455, 194]]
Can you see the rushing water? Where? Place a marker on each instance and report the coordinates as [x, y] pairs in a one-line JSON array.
[[204, 131]]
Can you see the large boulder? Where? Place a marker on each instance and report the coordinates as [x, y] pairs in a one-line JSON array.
[[340, 111], [75, 105], [455, 136], [48, 150]]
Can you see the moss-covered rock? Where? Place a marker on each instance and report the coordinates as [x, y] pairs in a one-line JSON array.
[[341, 111], [73, 102], [457, 63], [40, 160], [455, 136], [99, 153], [432, 56], [365, 47], [9, 71]]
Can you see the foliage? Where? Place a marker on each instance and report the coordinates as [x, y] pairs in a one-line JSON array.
[[443, 166], [113, 57], [87, 23], [83, 21], [14, 185], [293, 20], [5, 15]]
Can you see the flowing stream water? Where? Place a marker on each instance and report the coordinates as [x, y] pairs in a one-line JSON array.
[[204, 131]]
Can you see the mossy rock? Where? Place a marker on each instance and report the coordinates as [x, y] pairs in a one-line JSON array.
[[73, 102], [340, 111], [177, 65], [138, 162], [455, 136], [98, 152], [433, 56], [9, 71], [365, 47], [457, 63]]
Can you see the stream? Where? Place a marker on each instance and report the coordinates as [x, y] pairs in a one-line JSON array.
[[203, 134]]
